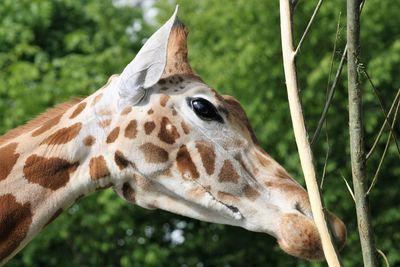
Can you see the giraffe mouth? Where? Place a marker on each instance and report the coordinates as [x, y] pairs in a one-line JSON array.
[[227, 209]]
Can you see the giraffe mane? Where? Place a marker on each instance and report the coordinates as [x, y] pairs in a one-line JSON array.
[[39, 120]]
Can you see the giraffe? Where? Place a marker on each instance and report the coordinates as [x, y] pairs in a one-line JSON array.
[[161, 138]]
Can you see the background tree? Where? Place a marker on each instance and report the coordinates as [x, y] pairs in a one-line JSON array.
[[52, 50]]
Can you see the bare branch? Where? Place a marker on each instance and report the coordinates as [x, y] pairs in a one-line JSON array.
[[330, 97], [325, 162], [333, 51], [357, 144], [327, 88], [375, 179], [391, 131], [378, 137], [308, 26], [299, 128], [384, 257], [331, 91], [349, 188]]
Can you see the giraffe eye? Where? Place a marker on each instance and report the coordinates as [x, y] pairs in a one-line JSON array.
[[204, 109]]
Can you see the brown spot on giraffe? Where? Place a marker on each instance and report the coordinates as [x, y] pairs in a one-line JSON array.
[[126, 110], [8, 158], [251, 193], [121, 161], [47, 126], [104, 112], [150, 111], [131, 129], [281, 173], [264, 161], [185, 127], [128, 192], [207, 155], [168, 132], [226, 197], [97, 98], [104, 123], [52, 173], [15, 220], [78, 110], [245, 167], [63, 135], [163, 100], [98, 168], [228, 173], [149, 127], [196, 192], [54, 216], [153, 153], [287, 186], [89, 140], [185, 164], [113, 135], [166, 172]]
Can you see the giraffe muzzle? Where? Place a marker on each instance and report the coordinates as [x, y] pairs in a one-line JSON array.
[[298, 235]]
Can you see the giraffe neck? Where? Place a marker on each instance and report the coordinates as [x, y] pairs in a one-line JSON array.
[[48, 167]]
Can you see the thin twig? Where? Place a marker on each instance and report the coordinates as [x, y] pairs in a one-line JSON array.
[[325, 162], [308, 26], [378, 137], [327, 90], [349, 188], [300, 133], [384, 257], [375, 179], [356, 128], [332, 91], [392, 134], [333, 52], [330, 97]]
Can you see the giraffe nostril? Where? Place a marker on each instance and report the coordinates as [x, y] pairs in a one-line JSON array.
[[304, 211], [298, 207]]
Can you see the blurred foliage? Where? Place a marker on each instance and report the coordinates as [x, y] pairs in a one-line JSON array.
[[52, 50]]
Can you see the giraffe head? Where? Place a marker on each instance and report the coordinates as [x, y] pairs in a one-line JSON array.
[[178, 145]]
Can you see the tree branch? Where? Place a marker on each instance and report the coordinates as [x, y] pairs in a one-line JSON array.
[[375, 179], [378, 137], [327, 89], [330, 97], [357, 145], [303, 145], [308, 26], [391, 130], [331, 91]]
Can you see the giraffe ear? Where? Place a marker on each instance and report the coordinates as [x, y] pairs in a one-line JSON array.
[[147, 68]]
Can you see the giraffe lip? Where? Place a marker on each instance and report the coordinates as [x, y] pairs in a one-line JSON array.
[[230, 210], [235, 211]]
